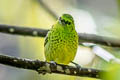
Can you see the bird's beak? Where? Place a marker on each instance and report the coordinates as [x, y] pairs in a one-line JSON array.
[[60, 20]]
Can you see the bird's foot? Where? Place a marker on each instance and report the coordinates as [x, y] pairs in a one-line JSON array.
[[77, 65], [52, 66], [41, 70], [53, 63], [47, 68]]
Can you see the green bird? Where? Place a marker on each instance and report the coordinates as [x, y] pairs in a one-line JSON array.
[[61, 41]]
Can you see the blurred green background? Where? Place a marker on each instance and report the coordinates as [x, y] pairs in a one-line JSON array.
[[91, 16]]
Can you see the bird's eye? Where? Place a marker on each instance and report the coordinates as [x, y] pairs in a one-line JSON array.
[[66, 22], [69, 23], [62, 20]]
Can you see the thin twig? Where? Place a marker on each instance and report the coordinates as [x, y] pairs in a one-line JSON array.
[[53, 14], [83, 37], [46, 67]]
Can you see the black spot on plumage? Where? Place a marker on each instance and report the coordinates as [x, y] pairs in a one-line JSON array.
[[60, 40], [74, 36]]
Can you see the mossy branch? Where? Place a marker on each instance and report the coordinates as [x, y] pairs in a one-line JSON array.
[[36, 32], [46, 67]]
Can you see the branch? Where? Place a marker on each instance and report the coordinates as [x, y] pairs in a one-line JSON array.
[[83, 37], [46, 67], [103, 40], [24, 31], [91, 38]]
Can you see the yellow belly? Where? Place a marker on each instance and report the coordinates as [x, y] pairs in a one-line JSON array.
[[61, 53]]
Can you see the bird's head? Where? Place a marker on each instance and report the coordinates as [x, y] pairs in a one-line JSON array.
[[66, 20]]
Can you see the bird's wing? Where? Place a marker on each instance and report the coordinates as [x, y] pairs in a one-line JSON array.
[[46, 40]]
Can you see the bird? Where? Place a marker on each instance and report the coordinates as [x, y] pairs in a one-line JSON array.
[[61, 41]]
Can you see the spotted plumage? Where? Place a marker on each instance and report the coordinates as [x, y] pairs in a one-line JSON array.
[[61, 41]]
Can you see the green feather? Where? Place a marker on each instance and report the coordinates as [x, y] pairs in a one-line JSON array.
[[61, 41]]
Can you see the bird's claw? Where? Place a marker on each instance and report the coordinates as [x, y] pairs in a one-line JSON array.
[[53, 63], [77, 65]]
